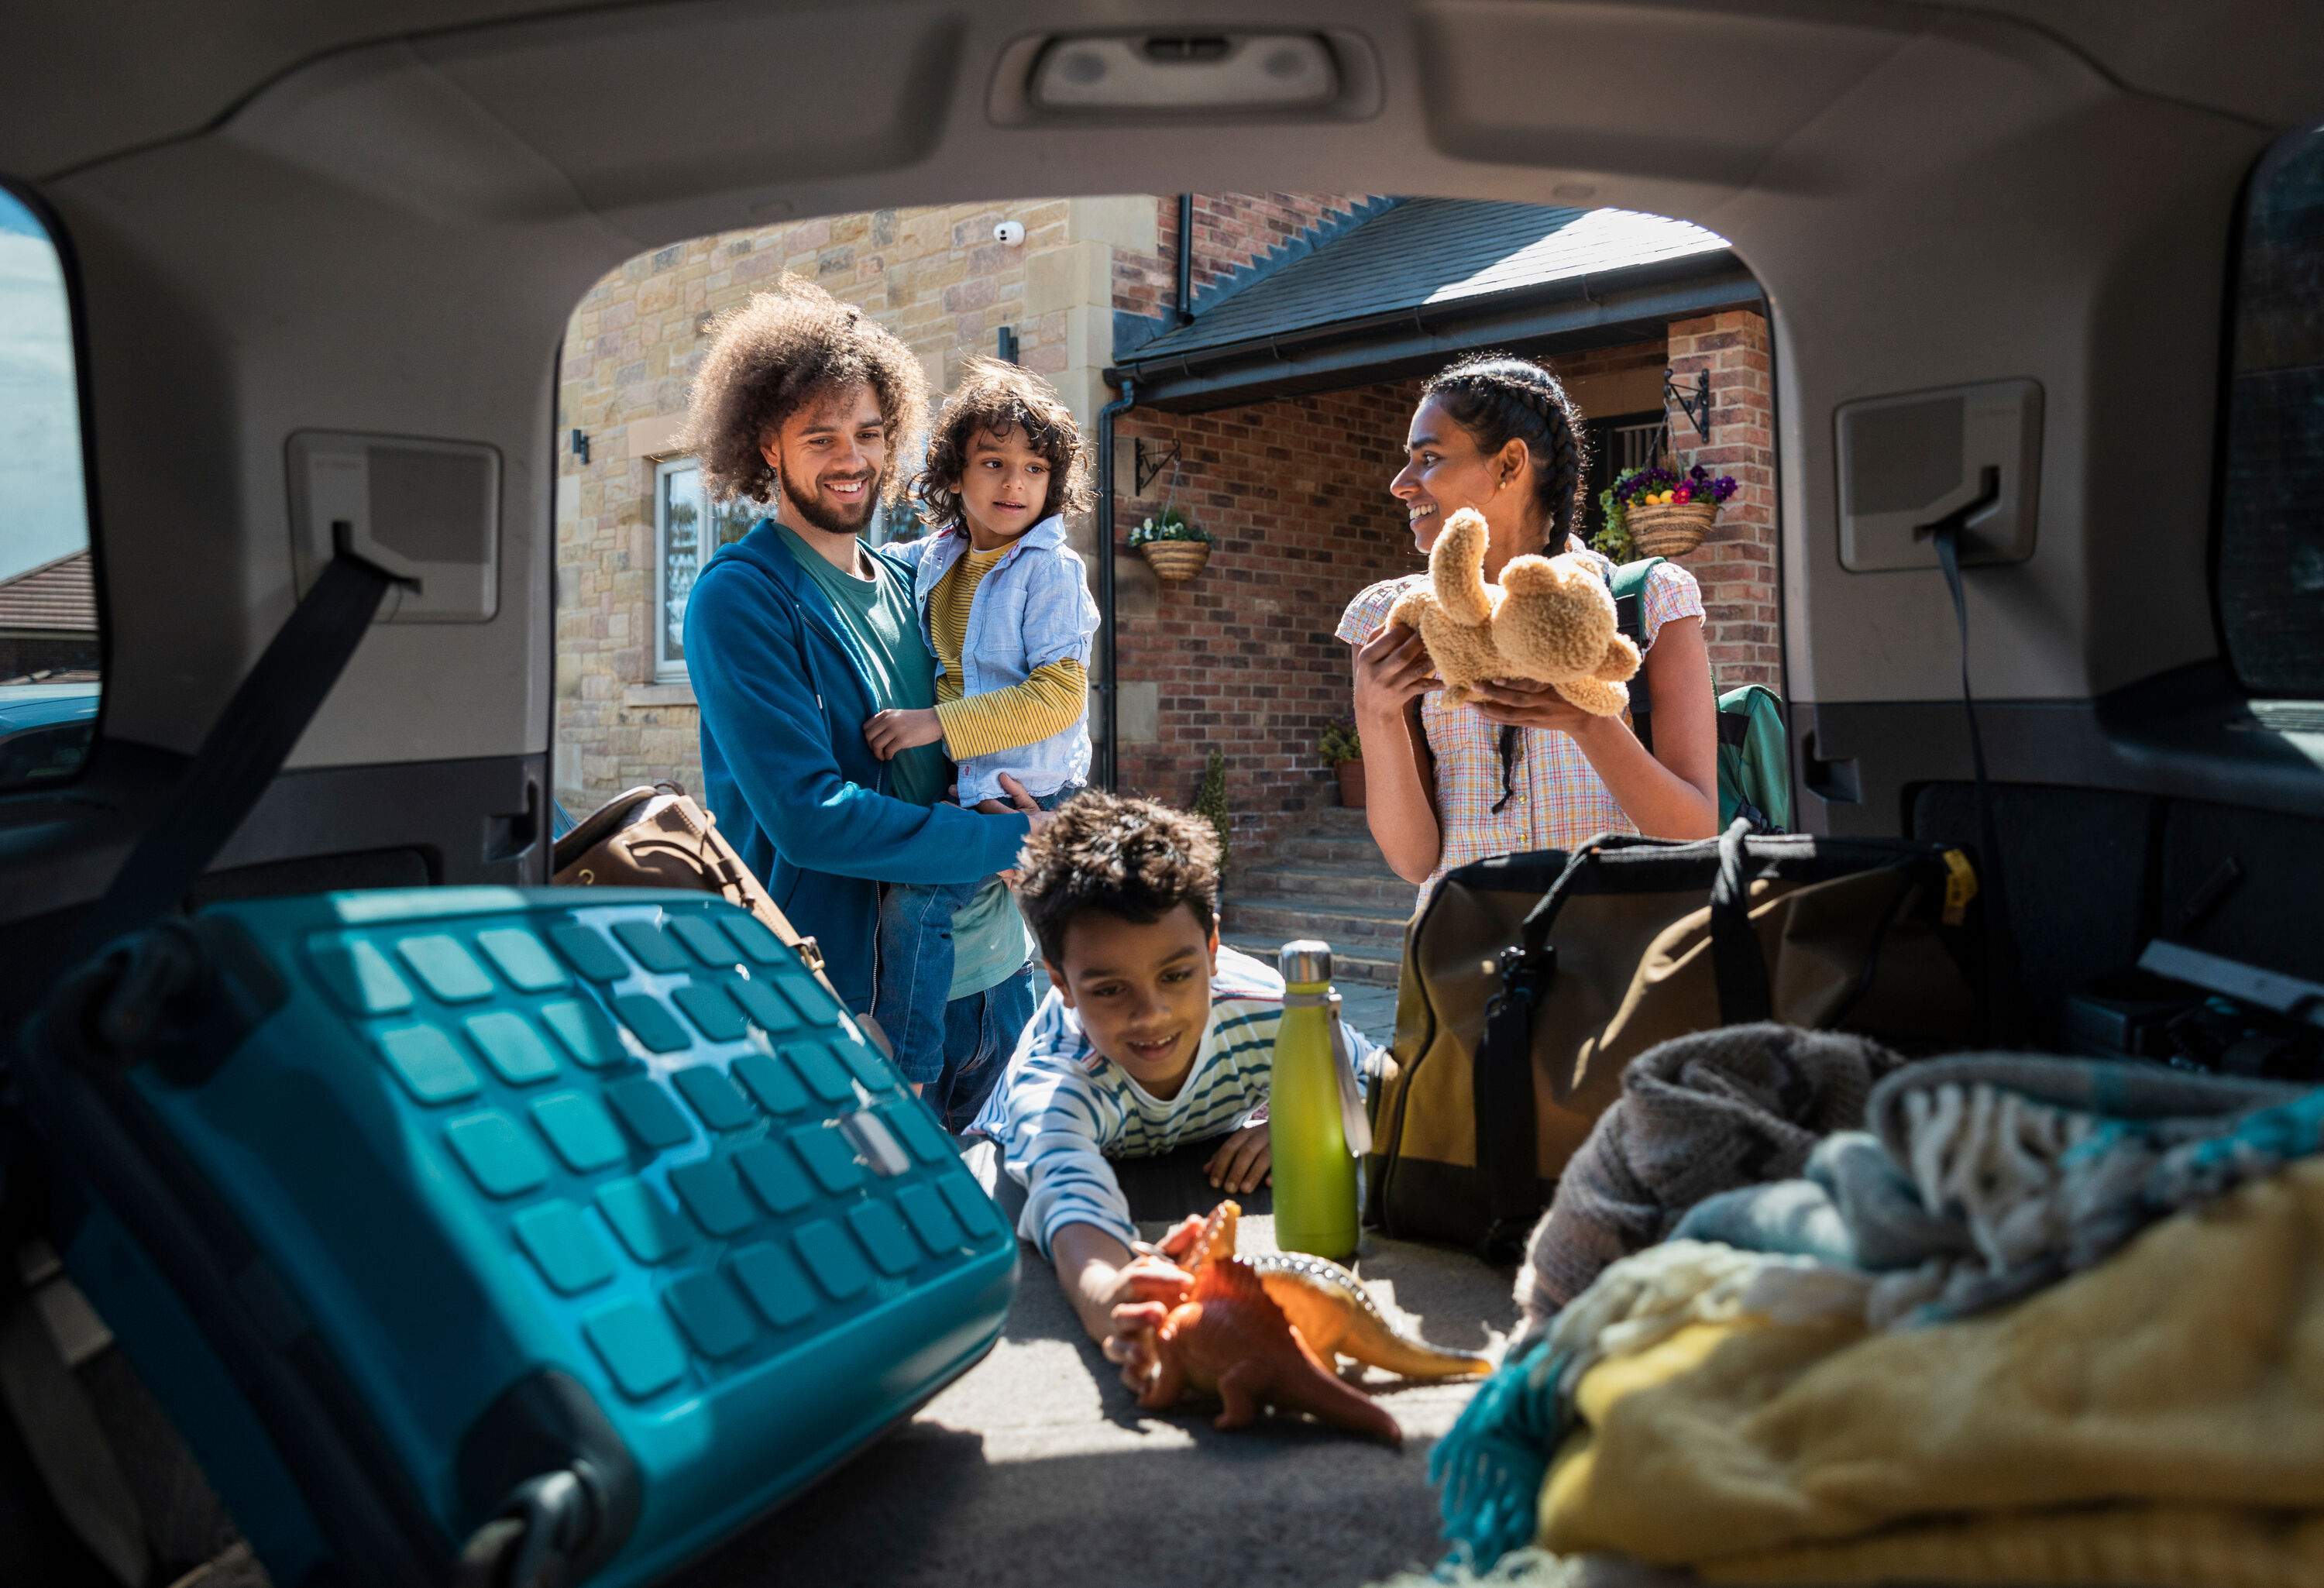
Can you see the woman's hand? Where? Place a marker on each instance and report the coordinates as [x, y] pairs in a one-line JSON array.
[[900, 729], [1524, 704], [1392, 669]]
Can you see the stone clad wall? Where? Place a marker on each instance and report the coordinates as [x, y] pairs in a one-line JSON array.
[[934, 276]]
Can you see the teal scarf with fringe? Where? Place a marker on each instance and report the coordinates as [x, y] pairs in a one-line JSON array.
[[1491, 1463]]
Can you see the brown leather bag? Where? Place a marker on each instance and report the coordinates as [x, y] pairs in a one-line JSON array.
[[1531, 980], [661, 837]]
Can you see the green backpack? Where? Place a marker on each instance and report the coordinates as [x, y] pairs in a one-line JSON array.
[[1755, 774]]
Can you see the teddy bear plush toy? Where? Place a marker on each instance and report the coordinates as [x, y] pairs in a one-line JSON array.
[[1550, 620]]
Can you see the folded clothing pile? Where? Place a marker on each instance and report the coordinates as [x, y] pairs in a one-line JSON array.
[[2046, 1321], [1725, 1109]]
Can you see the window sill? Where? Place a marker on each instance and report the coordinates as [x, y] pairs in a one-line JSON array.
[[639, 696]]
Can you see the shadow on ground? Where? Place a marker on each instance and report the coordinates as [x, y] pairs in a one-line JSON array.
[[1038, 1469]]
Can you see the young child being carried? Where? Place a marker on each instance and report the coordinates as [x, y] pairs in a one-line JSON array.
[[1005, 607], [1151, 1037]]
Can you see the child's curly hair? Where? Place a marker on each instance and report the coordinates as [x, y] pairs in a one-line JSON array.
[[1131, 859], [772, 355], [995, 398]]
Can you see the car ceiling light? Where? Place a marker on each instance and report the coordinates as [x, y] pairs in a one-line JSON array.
[[1185, 71]]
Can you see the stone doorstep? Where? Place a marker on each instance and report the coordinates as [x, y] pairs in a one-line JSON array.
[[1360, 967], [1372, 887], [1320, 857], [1286, 918]]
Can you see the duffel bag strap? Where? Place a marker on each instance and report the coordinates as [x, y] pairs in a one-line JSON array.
[[1501, 1074], [1738, 968], [1502, 1087]]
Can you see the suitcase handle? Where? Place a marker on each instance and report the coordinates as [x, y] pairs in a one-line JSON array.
[[545, 1525]]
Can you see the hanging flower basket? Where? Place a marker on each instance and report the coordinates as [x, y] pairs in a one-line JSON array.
[[1174, 560], [1673, 531], [1172, 546], [1658, 512]]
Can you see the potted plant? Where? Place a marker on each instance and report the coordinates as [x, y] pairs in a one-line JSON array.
[[1343, 752], [1657, 512], [1172, 546], [1211, 804]]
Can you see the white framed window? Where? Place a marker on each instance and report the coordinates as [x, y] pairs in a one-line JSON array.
[[680, 512], [682, 519]]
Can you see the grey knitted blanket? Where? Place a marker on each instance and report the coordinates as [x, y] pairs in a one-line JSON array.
[[1699, 1115], [1988, 1175]]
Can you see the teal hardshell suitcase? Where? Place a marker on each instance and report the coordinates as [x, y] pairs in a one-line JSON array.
[[512, 1236]]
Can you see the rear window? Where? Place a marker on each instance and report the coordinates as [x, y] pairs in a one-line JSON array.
[[48, 642], [2270, 573]]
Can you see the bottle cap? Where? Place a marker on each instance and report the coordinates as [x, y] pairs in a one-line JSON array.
[[1305, 961]]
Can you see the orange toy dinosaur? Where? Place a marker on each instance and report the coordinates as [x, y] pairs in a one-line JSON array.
[[1228, 1339], [1265, 1330], [1330, 1307]]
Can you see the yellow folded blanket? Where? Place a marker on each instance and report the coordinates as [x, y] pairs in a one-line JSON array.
[[2158, 1420]]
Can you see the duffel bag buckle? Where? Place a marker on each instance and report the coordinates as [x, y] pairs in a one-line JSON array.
[[1525, 972]]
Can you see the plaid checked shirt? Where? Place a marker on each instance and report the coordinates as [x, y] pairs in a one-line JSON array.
[[1557, 799]]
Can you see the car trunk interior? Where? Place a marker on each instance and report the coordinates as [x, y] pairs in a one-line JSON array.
[[374, 220]]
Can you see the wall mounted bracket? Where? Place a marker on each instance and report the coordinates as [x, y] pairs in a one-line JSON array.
[[1697, 408], [1146, 467]]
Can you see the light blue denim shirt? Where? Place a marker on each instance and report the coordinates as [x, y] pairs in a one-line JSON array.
[[1034, 608]]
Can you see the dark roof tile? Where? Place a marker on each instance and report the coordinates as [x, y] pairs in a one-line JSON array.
[[60, 595], [1432, 250]]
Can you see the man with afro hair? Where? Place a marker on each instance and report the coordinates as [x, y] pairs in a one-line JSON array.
[[799, 633], [1151, 1038]]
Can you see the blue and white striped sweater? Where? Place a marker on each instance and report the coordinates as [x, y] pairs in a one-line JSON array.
[[1063, 1108]]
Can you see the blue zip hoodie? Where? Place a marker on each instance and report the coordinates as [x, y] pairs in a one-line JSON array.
[[785, 768]]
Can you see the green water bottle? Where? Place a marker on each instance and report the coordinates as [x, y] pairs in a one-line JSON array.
[[1314, 1163]]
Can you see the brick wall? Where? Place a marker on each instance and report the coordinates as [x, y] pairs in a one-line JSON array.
[[1242, 657], [1736, 564]]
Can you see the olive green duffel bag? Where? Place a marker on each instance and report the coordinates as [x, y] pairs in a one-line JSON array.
[[1530, 980]]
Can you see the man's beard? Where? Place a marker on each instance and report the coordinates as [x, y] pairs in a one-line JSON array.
[[829, 520]]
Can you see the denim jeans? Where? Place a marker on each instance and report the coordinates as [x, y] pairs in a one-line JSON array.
[[980, 1032], [916, 962]]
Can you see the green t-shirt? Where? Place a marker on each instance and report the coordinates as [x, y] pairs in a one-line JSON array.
[[989, 938], [877, 613]]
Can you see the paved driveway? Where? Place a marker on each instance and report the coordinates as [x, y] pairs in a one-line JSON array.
[[1036, 1469]]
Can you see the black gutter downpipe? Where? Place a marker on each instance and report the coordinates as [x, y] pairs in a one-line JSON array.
[[1185, 306], [1108, 695]]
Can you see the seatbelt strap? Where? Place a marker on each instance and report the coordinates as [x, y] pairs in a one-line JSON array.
[[2005, 1015], [244, 749], [238, 758]]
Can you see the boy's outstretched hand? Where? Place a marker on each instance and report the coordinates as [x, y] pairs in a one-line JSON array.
[[902, 728], [1243, 1160]]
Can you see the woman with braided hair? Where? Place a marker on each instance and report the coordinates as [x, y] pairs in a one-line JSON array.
[[1518, 768]]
